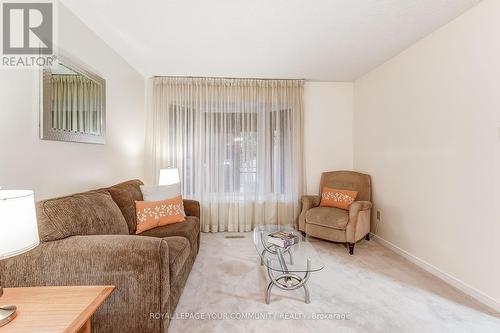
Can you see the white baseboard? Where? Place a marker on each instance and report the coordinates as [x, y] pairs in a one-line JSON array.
[[465, 288]]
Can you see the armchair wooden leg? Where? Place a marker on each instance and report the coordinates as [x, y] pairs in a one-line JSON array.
[[351, 248], [367, 237]]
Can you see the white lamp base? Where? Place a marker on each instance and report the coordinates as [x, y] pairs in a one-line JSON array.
[[7, 314]]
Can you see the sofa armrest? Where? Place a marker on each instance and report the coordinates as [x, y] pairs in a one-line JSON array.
[[359, 220], [355, 208], [358, 206], [138, 267], [192, 208], [308, 202]]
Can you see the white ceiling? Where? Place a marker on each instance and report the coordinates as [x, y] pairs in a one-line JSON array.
[[332, 40]]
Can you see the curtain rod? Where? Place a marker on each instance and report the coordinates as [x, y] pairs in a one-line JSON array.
[[224, 78]]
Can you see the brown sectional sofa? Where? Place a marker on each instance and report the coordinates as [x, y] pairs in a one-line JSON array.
[[89, 239]]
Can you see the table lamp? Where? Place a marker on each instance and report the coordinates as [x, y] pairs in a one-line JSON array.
[[18, 234], [169, 176]]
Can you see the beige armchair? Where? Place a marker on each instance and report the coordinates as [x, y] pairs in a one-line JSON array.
[[335, 224]]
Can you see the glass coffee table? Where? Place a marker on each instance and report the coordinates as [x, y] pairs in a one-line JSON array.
[[289, 268]]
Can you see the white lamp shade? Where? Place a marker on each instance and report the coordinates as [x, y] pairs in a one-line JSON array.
[[18, 227], [169, 176]]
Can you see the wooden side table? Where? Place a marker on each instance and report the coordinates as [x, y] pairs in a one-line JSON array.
[[54, 309]]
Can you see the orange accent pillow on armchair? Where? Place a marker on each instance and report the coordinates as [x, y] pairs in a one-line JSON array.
[[151, 214], [331, 197]]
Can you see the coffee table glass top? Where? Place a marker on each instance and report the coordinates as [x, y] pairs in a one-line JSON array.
[[292, 259]]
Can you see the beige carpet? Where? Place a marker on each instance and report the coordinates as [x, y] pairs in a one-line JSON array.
[[373, 291]]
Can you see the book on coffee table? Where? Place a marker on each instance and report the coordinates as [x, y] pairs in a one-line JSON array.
[[282, 239]]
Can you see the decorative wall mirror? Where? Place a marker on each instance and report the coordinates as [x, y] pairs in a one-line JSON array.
[[73, 104]]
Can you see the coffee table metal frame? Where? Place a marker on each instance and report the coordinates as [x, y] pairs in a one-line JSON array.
[[285, 280]]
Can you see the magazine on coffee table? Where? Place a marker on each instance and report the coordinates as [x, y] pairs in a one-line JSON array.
[[282, 239]]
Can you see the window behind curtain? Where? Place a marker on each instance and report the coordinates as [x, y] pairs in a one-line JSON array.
[[237, 144], [236, 135]]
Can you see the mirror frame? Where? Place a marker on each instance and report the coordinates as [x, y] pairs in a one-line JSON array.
[[46, 130]]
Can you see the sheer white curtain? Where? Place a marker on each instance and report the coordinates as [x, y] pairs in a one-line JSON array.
[[76, 104], [237, 144]]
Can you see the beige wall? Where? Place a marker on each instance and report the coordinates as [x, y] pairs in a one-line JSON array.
[[328, 129], [55, 168], [426, 127]]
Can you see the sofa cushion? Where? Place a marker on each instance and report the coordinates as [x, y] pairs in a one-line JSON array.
[[125, 195], [189, 229], [178, 252], [152, 214], [89, 213], [328, 217], [331, 197]]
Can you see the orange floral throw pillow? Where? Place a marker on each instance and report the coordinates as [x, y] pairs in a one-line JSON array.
[[331, 197], [151, 214]]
